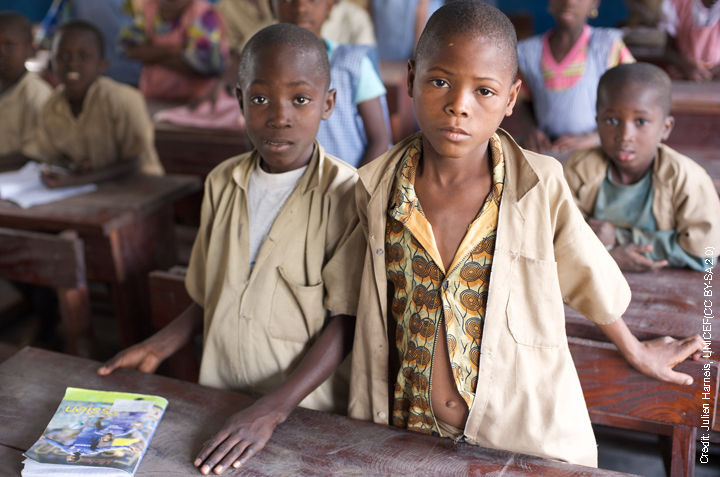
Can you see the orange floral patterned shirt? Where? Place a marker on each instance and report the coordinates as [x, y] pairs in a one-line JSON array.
[[424, 292]]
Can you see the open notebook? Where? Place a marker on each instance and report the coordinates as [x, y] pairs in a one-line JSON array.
[[25, 188]]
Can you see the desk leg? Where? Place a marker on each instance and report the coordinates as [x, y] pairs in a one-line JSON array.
[[138, 249], [683, 451], [77, 318]]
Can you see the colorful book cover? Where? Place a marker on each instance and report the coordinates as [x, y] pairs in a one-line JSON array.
[[98, 429]]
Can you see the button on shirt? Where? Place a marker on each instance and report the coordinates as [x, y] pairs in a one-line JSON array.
[[424, 293]]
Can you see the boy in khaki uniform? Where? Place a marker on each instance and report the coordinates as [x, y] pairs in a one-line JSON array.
[[474, 245], [22, 93], [650, 205], [92, 125], [275, 269]]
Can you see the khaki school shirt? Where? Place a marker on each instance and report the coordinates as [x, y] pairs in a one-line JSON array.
[[114, 125], [243, 19], [259, 324], [20, 107], [528, 396], [684, 199]]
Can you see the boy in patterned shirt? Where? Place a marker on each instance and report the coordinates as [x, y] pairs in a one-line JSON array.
[[473, 247]]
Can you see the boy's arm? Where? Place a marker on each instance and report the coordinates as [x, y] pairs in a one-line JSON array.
[[169, 56], [373, 120], [693, 70], [654, 358], [534, 139], [663, 246], [11, 162], [148, 355], [246, 432], [54, 178]]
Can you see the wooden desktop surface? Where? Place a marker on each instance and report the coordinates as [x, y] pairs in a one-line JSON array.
[[309, 443], [666, 303], [127, 230]]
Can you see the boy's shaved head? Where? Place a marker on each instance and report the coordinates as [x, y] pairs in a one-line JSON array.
[[84, 26], [645, 74], [471, 19], [12, 20], [288, 36]]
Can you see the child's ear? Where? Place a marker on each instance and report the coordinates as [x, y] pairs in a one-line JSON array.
[[329, 106], [411, 76], [667, 127], [513, 96], [238, 95]]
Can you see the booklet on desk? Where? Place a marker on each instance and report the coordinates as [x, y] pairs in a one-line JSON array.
[[95, 433], [26, 188]]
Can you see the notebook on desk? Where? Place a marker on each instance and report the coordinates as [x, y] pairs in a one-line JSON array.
[[25, 187]]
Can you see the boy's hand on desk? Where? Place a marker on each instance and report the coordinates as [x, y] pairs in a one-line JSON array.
[[656, 358], [245, 433], [535, 140], [54, 178], [573, 142], [629, 258], [698, 71], [141, 356], [605, 231]]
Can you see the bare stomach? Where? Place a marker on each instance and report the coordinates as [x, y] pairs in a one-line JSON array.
[[447, 404]]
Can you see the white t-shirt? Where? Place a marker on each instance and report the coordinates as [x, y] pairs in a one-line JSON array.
[[266, 195]]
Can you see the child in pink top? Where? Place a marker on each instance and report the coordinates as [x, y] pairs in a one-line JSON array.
[[693, 47], [560, 70], [182, 45]]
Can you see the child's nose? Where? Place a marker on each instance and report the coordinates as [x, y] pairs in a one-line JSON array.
[[458, 104], [627, 131], [281, 115]]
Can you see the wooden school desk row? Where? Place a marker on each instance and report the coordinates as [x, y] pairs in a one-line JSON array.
[[127, 230], [309, 443]]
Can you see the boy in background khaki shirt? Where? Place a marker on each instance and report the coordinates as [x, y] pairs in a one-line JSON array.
[[92, 125], [278, 325], [539, 254], [22, 93]]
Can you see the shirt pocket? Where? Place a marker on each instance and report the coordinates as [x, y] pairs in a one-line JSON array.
[[535, 313], [297, 311]]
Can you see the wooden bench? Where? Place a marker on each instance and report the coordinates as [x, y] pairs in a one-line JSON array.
[[168, 298], [55, 261], [619, 396]]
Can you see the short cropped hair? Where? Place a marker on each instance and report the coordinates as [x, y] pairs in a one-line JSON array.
[[82, 25], [474, 19], [18, 22], [290, 36], [650, 76]]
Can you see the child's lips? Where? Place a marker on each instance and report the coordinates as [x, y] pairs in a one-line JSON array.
[[277, 144], [454, 134], [625, 155], [73, 76]]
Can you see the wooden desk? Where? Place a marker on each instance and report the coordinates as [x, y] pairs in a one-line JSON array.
[[309, 443], [666, 303], [127, 228], [708, 158], [696, 108]]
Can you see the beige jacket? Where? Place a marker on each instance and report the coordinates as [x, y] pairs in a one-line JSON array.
[[684, 196], [20, 108], [259, 324], [528, 397], [114, 125]]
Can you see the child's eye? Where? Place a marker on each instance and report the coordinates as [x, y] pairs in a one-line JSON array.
[[439, 83], [302, 100], [259, 100], [485, 92], [642, 122], [611, 121]]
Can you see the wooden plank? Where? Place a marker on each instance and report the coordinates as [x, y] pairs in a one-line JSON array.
[[7, 350], [42, 259], [689, 96], [309, 443], [666, 303], [11, 460], [612, 386]]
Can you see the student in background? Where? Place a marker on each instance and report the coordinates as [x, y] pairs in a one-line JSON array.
[[349, 23], [22, 93], [561, 70], [358, 130], [693, 44], [92, 125], [474, 245], [275, 270], [109, 16], [650, 205], [182, 46], [398, 24]]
